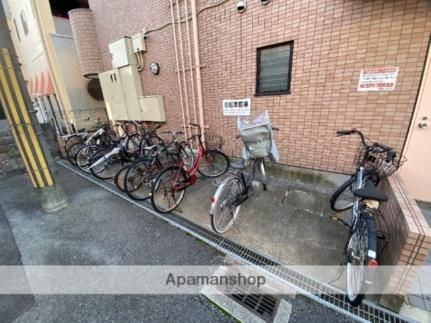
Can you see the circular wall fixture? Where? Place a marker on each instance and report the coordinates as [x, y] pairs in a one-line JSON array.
[[154, 68], [94, 89], [241, 6]]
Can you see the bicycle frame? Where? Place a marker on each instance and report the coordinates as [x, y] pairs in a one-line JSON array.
[[359, 184]]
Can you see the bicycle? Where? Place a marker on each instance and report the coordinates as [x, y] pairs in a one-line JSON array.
[[136, 179], [361, 247], [170, 185], [105, 162], [234, 190]]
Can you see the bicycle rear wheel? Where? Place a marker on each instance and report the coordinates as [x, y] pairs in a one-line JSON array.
[[213, 164], [224, 210], [343, 197], [72, 140], [168, 189], [72, 152]]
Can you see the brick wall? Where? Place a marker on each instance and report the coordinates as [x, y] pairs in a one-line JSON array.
[[410, 234], [333, 40]]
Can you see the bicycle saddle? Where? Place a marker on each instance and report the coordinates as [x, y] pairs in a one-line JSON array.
[[370, 192], [239, 164]]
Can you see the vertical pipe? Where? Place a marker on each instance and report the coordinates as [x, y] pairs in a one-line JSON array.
[[198, 67], [190, 60], [178, 67], [182, 62]]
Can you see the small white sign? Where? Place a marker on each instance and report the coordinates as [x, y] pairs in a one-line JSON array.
[[236, 107], [378, 79]]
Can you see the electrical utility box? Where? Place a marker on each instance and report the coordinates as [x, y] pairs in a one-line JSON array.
[[138, 42], [122, 53], [122, 90]]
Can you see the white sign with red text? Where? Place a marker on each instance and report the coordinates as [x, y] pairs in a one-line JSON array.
[[378, 79]]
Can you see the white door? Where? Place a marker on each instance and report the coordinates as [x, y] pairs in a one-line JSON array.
[[416, 172]]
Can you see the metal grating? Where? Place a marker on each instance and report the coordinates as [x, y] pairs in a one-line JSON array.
[[309, 287], [262, 305]]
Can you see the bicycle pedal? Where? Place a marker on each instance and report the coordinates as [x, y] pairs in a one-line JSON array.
[[334, 218]]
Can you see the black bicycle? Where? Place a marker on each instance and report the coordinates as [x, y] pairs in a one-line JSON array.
[[375, 161]]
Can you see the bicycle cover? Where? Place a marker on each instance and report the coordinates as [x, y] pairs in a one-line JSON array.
[[257, 137]]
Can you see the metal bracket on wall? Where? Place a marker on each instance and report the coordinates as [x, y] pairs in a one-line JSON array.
[[188, 68]]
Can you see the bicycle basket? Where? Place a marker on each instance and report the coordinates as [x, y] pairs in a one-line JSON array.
[[377, 162], [213, 141]]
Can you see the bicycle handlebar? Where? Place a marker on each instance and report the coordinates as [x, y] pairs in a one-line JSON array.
[[375, 147]]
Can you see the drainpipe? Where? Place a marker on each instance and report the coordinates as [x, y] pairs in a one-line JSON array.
[[198, 67], [178, 68], [183, 70], [192, 81]]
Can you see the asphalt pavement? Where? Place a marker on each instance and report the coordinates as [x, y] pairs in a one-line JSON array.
[[98, 228]]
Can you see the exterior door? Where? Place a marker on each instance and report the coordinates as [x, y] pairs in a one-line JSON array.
[[416, 171]]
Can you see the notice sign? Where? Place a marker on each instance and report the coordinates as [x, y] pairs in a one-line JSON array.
[[236, 107], [378, 79]]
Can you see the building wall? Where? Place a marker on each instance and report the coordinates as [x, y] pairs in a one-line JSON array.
[[86, 110], [333, 41]]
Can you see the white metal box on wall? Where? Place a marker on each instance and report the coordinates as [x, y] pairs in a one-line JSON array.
[[122, 53], [124, 100], [152, 108]]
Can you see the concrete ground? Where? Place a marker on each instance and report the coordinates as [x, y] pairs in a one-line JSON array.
[[282, 222], [100, 228]]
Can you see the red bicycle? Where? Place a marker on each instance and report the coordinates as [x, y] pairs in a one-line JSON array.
[[170, 185]]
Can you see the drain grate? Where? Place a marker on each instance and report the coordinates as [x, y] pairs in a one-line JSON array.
[[320, 292], [263, 305]]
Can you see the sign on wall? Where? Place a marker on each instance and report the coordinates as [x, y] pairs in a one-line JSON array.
[[237, 107], [378, 79]]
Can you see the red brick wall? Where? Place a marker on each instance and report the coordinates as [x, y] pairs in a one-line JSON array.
[[333, 41]]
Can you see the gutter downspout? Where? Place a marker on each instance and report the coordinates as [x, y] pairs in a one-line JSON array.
[[198, 68], [178, 68], [190, 61], [183, 70]]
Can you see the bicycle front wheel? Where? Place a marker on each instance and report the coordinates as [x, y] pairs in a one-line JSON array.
[[213, 164], [168, 189], [84, 157], [105, 168], [138, 179], [357, 250], [120, 177], [224, 209]]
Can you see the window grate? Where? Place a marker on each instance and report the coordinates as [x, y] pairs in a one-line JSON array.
[[274, 65]]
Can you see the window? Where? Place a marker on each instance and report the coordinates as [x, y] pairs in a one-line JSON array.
[[17, 30], [274, 65], [24, 22]]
